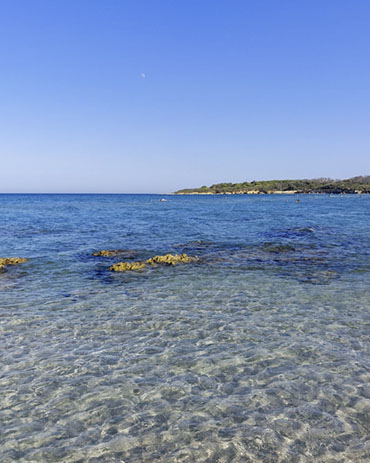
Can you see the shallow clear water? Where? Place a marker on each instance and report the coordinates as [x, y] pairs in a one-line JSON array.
[[259, 352]]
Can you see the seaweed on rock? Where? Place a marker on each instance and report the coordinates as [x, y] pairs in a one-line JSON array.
[[127, 266], [171, 259], [5, 261], [167, 259], [114, 252]]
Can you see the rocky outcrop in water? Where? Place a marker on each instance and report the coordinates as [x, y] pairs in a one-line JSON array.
[[127, 266], [167, 259], [171, 259], [128, 254], [5, 261]]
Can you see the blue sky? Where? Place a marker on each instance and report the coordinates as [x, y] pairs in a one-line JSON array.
[[152, 96]]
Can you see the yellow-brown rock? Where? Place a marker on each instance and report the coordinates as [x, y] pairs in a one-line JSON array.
[[4, 261], [113, 252], [127, 266], [171, 259]]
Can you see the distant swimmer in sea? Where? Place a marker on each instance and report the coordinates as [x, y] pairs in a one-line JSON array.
[[297, 200]]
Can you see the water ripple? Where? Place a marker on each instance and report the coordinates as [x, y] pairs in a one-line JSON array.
[[232, 359]]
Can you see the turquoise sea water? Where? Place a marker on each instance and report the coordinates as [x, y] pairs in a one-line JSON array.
[[258, 352]]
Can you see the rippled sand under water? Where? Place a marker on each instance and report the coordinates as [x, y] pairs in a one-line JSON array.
[[257, 353]]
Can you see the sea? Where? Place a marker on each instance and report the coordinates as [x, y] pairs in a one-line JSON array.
[[258, 352]]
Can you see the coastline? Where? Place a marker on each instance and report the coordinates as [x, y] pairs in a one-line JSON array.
[[277, 192], [354, 185]]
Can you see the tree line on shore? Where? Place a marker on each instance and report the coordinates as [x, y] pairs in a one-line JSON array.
[[354, 185]]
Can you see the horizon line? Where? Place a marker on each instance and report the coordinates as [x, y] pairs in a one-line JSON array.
[[79, 193]]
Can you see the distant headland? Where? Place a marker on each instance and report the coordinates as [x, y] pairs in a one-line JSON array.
[[354, 185]]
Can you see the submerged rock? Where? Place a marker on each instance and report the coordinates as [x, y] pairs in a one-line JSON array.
[[4, 261], [171, 259], [127, 266], [114, 252], [277, 248], [304, 230]]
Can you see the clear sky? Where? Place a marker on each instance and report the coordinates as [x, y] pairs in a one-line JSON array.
[[156, 95]]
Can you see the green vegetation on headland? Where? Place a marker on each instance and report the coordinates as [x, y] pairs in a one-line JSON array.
[[354, 185]]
